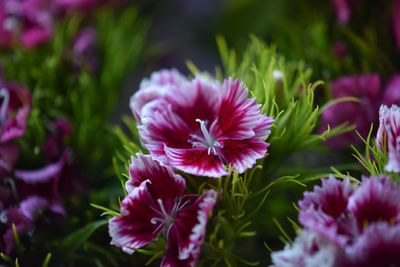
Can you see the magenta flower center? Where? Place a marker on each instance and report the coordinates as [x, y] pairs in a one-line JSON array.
[[4, 105], [207, 140]]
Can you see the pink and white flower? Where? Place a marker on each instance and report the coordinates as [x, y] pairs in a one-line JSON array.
[[389, 134], [14, 110], [377, 199], [363, 224], [325, 210], [200, 126], [156, 204], [28, 22], [379, 245], [308, 249]]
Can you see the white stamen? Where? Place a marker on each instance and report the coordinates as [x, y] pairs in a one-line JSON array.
[[207, 137], [162, 208], [166, 220], [4, 105], [207, 140]]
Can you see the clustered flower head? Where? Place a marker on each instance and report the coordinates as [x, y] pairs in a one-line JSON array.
[[389, 136], [346, 225], [24, 194], [199, 126]]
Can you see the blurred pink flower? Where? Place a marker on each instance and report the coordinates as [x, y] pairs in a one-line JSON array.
[[343, 9], [8, 218], [8, 157], [379, 245], [29, 22], [14, 110], [367, 89], [356, 226], [308, 249], [84, 48], [323, 210]]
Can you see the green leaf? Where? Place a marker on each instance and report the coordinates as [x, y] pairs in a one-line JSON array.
[[46, 260], [76, 239]]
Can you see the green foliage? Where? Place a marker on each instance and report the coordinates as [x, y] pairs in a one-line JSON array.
[[289, 99], [76, 239], [374, 159], [86, 98]]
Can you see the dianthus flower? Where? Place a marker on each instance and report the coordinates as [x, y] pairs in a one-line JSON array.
[[363, 223], [308, 249], [343, 9], [389, 134], [367, 89], [199, 126], [156, 204], [28, 22]]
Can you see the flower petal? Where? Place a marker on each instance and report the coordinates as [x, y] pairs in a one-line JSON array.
[[199, 99], [377, 199], [154, 88], [14, 128], [379, 245], [308, 249], [45, 174], [164, 127], [33, 206], [324, 210], [238, 115], [196, 161], [134, 229], [8, 157], [22, 225], [332, 197], [189, 227], [164, 183]]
